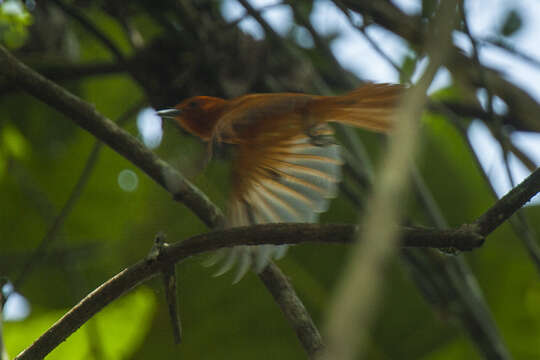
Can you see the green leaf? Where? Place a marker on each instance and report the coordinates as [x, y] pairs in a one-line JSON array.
[[14, 20], [457, 93], [128, 317], [13, 142], [131, 317], [3, 164], [19, 335]]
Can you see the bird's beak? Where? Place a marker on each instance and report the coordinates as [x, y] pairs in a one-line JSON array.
[[169, 113]]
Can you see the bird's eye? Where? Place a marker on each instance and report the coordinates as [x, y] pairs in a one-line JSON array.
[[192, 104]]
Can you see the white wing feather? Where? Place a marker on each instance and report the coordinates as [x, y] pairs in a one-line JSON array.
[[293, 181]]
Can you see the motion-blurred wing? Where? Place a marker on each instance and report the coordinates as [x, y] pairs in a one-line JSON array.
[[285, 180]]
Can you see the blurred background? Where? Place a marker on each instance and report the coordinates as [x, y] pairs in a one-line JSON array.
[[74, 213]]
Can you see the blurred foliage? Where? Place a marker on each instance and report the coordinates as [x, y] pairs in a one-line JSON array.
[[89, 342], [407, 69], [14, 21], [42, 155]]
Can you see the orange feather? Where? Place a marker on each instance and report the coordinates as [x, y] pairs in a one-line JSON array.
[[286, 166]]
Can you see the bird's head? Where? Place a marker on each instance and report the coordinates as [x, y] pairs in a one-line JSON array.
[[198, 115]]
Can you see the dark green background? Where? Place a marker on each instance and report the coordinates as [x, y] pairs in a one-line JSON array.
[[42, 155]]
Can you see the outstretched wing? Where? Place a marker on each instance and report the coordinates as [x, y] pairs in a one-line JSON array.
[[285, 179], [285, 169]]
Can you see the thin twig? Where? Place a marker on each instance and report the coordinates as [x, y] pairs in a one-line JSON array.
[[168, 274], [503, 44], [257, 16], [462, 110], [476, 58], [369, 39], [67, 71], [524, 108], [322, 45], [91, 28], [246, 15]]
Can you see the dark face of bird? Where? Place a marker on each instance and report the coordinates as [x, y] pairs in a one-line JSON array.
[[198, 115]]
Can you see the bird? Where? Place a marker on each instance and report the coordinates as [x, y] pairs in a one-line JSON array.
[[286, 164]]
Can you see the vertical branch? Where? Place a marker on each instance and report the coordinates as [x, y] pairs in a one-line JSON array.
[[450, 278], [353, 307]]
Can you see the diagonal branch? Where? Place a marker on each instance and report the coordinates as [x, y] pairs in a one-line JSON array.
[[355, 300], [523, 107], [67, 71], [277, 234], [126, 145], [90, 27], [509, 204], [86, 116], [122, 142]]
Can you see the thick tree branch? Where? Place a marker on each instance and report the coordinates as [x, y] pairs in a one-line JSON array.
[[122, 142], [60, 71], [465, 237], [67, 71], [277, 234], [68, 105], [86, 116]]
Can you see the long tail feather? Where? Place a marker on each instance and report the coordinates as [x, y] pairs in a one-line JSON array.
[[370, 107]]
